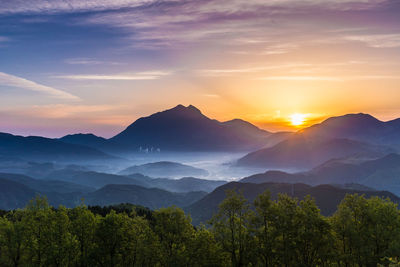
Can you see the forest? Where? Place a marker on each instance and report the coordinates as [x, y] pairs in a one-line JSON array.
[[282, 232]]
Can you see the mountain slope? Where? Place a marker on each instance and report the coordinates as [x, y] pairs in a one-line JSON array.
[[40, 148], [186, 184], [89, 178], [48, 186], [381, 174], [302, 152], [363, 127], [187, 129], [327, 197], [152, 198], [164, 169]]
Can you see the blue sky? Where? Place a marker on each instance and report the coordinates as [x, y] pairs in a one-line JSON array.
[[96, 66]]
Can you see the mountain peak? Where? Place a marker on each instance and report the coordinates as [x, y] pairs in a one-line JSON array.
[[182, 108], [360, 118]]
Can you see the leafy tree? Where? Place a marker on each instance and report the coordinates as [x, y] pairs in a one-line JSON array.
[[263, 225], [38, 224], [83, 227], [366, 230], [12, 239], [231, 228], [174, 231], [287, 222], [205, 251], [314, 237], [110, 238], [141, 246]]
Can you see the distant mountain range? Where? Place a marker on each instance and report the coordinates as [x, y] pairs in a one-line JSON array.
[[41, 148], [303, 152], [380, 174], [327, 197], [362, 127], [98, 180], [16, 191], [180, 129], [350, 136]]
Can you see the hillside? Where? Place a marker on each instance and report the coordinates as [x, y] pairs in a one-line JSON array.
[[302, 153], [152, 198], [164, 169], [46, 149], [327, 197]]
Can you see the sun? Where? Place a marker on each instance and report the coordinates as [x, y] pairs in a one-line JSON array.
[[297, 119]]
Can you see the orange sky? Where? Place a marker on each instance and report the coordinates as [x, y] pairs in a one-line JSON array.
[[97, 68]]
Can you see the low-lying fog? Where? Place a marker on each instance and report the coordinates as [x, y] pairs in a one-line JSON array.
[[219, 165]]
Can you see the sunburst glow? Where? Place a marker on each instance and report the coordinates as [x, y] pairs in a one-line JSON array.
[[298, 119]]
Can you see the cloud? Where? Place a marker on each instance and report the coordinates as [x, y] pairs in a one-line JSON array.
[[147, 75], [88, 61], [82, 61], [14, 81], [66, 6], [58, 6], [230, 72], [330, 78], [302, 78], [377, 40]]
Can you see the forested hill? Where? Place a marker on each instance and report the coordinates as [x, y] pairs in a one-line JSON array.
[[285, 232]]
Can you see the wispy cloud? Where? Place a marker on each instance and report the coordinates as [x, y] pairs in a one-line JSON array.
[[147, 75], [229, 72], [14, 81], [377, 40], [56, 6], [302, 78], [329, 78], [82, 61], [88, 61]]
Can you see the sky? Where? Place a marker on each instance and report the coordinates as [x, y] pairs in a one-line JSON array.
[[69, 66]]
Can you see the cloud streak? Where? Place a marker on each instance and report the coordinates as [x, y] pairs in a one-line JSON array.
[[14, 81], [378, 40], [148, 75]]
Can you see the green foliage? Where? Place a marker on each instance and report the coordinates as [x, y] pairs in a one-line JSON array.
[[231, 228], [282, 232], [366, 230]]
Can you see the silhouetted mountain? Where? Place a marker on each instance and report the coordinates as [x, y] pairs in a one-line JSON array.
[[152, 198], [43, 186], [187, 129], [301, 152], [14, 195], [381, 174], [40, 148], [327, 197], [165, 169], [90, 140], [360, 126]]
